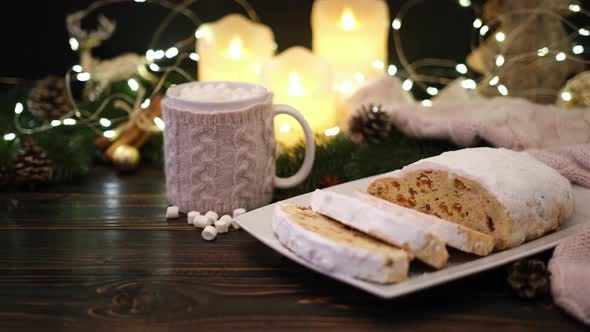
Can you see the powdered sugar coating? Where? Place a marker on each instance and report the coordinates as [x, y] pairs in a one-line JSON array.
[[527, 188], [335, 257], [368, 219]]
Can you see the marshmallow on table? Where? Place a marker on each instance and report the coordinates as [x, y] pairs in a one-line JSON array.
[[238, 212], [212, 215], [201, 221], [172, 212], [209, 233], [222, 226], [191, 216], [227, 218]]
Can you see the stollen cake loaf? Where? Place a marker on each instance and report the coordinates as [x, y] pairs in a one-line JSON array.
[[455, 235], [385, 226], [507, 194], [335, 248]]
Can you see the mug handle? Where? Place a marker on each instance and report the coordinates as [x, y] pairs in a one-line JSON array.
[[305, 169]]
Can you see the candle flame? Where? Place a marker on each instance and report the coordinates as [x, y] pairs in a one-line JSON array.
[[295, 88], [347, 22], [235, 48]]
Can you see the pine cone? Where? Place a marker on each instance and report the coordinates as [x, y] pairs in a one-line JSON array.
[[32, 165], [529, 278], [370, 124], [48, 99]]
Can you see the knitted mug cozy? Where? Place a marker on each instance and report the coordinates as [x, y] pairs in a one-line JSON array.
[[219, 160]]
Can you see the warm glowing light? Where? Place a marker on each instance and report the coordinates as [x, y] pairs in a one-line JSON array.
[[77, 68], [159, 122], [426, 103], [146, 103], [235, 48], [295, 88], [465, 3], [55, 123], [9, 137], [150, 55], [133, 84], [69, 122], [171, 52], [567, 96], [468, 84], [359, 77], [109, 134], [503, 90], [18, 108], [560, 56], [83, 77], [477, 23], [461, 68], [432, 91], [407, 85], [154, 67], [500, 36], [484, 29], [396, 24], [105, 122], [194, 56], [584, 32], [391, 70], [578, 49], [345, 87], [574, 7], [378, 64], [499, 60], [332, 131], [543, 51], [347, 22], [74, 44], [139, 0], [159, 54], [285, 128], [494, 80]]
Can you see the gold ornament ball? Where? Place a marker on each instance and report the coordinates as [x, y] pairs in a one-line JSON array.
[[126, 158]]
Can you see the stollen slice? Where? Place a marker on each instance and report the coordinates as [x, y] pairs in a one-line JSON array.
[[337, 249], [455, 235], [376, 222]]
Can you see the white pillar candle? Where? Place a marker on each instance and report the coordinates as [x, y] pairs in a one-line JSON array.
[[233, 49], [304, 81], [352, 36]]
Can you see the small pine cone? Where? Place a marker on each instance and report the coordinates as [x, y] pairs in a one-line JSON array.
[[529, 278], [32, 165], [48, 98], [370, 124]]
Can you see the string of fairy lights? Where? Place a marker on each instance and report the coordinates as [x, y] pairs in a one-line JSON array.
[[154, 58]]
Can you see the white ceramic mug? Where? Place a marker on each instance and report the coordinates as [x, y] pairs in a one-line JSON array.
[[220, 154]]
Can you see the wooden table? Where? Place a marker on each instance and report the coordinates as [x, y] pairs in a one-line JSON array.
[[100, 256]]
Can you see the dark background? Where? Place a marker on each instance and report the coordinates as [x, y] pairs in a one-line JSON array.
[[35, 40]]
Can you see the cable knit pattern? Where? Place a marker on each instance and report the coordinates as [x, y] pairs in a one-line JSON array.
[[243, 176], [169, 157], [269, 168], [219, 160], [570, 275]]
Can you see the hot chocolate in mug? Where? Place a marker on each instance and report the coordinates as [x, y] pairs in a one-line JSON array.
[[220, 147]]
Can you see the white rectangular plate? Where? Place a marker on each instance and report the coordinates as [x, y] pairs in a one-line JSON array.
[[258, 224]]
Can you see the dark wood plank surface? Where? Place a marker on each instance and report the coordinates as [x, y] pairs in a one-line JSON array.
[[100, 256]]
